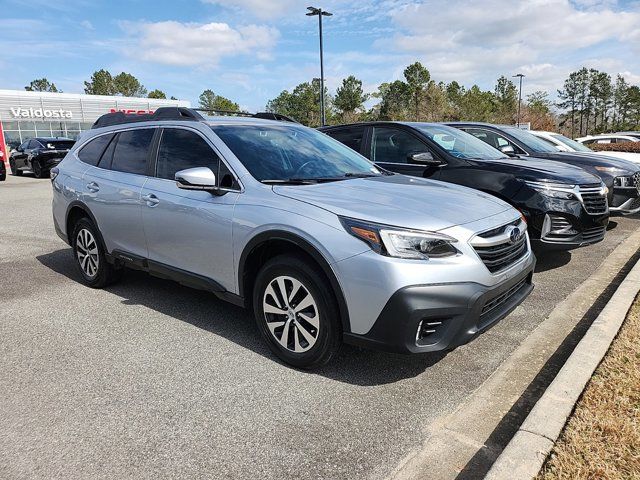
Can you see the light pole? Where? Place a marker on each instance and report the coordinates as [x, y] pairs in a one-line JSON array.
[[521, 76], [313, 11]]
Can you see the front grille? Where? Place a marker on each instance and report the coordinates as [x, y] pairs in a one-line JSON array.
[[502, 298], [499, 230], [501, 256], [593, 234], [593, 200], [636, 180]]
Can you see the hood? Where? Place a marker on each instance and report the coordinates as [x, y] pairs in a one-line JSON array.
[[628, 156], [589, 161], [536, 169], [399, 201]]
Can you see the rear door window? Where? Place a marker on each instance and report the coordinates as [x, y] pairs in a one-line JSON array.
[[132, 151], [94, 149]]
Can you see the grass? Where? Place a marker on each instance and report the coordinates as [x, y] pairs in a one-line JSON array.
[[602, 438]]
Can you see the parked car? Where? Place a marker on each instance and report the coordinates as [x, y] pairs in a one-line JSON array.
[[565, 144], [321, 244], [620, 176], [39, 155], [607, 138], [630, 134], [565, 207]]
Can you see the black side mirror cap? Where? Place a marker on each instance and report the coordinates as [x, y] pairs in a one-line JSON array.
[[426, 158]]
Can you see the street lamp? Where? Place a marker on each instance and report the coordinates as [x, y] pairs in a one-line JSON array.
[[313, 11], [521, 76]]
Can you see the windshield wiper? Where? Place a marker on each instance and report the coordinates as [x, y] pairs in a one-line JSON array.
[[289, 181]]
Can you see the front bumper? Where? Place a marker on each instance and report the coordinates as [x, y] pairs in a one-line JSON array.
[[626, 201], [430, 318]]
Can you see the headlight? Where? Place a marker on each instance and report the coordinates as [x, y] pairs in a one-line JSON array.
[[400, 243], [626, 182], [555, 190], [615, 171]]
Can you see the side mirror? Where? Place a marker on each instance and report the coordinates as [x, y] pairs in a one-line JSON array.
[[508, 150], [199, 178], [425, 158]]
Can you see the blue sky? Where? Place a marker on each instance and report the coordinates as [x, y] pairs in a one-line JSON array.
[[250, 50]]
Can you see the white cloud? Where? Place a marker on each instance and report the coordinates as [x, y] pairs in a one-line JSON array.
[[471, 41], [196, 44], [262, 9]]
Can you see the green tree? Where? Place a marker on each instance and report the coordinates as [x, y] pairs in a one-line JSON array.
[[128, 86], [350, 98], [41, 85], [101, 83], [568, 100], [212, 102], [417, 78], [302, 103], [506, 97], [478, 105], [395, 100], [156, 94]]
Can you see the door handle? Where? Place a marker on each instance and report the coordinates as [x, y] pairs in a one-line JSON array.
[[93, 187], [151, 200]]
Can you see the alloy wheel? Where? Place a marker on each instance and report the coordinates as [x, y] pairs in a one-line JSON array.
[[291, 314], [87, 252]]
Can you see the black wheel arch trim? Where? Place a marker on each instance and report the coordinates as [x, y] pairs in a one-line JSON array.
[[82, 206], [308, 248]]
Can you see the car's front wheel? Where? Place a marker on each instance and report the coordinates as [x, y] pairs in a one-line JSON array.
[[38, 170], [296, 312], [14, 169], [89, 254]]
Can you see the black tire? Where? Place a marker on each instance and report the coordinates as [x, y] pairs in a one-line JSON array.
[[14, 170], [38, 171], [327, 338], [105, 273]]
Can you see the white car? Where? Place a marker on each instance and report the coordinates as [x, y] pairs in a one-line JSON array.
[[565, 144]]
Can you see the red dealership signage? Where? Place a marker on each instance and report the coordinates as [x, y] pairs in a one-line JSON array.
[[130, 111]]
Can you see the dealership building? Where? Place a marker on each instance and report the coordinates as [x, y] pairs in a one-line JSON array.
[[24, 115]]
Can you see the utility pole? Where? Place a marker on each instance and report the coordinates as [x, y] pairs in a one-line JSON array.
[[313, 11]]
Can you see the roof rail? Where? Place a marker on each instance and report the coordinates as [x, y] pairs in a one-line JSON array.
[[179, 113], [162, 113], [263, 115]]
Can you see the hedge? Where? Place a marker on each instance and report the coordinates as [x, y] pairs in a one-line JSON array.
[[633, 147]]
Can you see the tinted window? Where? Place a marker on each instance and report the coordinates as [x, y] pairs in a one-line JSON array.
[[181, 149], [459, 143], [92, 151], [394, 146], [131, 151], [492, 138], [351, 137], [33, 144], [529, 140], [281, 152], [572, 144], [59, 144]]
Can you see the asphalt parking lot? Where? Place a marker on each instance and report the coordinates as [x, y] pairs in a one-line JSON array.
[[149, 379]]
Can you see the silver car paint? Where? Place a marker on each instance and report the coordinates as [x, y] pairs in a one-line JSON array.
[[207, 234]]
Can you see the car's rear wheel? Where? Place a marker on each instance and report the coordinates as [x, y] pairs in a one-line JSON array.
[[296, 312], [14, 170], [38, 170], [89, 254]]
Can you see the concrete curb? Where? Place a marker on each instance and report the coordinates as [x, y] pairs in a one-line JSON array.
[[526, 452]]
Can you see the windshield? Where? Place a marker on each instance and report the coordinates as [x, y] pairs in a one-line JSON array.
[[532, 142], [572, 144], [284, 152], [458, 143], [58, 144]]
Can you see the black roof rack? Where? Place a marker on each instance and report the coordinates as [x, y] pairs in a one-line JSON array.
[[179, 113], [162, 113]]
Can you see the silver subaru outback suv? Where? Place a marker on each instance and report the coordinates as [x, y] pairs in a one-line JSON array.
[[322, 245]]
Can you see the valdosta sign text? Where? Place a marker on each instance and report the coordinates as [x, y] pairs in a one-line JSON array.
[[31, 112]]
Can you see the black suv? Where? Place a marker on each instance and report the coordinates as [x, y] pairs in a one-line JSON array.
[[39, 155], [565, 206], [621, 176]]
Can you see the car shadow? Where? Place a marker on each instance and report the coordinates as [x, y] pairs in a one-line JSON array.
[[352, 365], [550, 259]]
